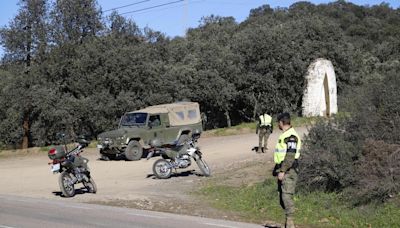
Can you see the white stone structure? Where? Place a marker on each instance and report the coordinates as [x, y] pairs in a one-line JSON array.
[[320, 95]]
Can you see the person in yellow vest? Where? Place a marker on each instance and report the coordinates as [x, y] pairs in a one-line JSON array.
[[264, 129], [286, 155]]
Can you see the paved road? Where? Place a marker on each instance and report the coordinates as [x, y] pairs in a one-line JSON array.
[[20, 212]]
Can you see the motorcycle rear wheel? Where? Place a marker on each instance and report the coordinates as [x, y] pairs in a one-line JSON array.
[[203, 167], [161, 169], [90, 186], [66, 186]]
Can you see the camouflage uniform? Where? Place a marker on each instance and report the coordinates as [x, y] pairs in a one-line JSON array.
[[286, 160], [264, 129], [263, 135], [286, 189]]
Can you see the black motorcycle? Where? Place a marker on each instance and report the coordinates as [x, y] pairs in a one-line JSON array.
[[72, 167], [162, 168]]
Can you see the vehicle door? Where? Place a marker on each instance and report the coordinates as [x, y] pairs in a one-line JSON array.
[[170, 132], [156, 130]]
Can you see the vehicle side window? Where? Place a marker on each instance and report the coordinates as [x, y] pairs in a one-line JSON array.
[[155, 120], [181, 115], [192, 114]]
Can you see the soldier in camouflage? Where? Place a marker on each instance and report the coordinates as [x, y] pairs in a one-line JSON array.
[[286, 155], [264, 129]]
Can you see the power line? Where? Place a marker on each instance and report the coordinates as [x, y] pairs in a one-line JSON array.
[[132, 4], [152, 7], [171, 7]]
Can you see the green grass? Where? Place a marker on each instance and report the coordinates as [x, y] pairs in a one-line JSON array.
[[92, 144], [304, 121], [234, 130], [45, 148], [251, 127], [259, 202]]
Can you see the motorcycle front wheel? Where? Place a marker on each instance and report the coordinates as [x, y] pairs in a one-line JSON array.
[[66, 186], [203, 167], [162, 169], [90, 186]]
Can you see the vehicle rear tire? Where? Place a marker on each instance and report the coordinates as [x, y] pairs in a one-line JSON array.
[[90, 186], [133, 151], [203, 166], [64, 181], [161, 169]]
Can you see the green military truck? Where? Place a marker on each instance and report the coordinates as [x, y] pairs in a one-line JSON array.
[[166, 122]]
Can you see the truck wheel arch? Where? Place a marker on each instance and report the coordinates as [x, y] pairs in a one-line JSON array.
[[134, 150]]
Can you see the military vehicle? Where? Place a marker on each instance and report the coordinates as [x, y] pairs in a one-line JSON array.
[[166, 122]]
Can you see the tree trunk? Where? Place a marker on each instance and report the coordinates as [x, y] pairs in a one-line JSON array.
[[26, 124], [228, 119], [256, 105], [26, 129]]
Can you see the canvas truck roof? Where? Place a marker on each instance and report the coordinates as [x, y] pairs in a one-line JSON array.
[[181, 113]]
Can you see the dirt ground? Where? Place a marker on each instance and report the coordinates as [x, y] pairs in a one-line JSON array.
[[131, 183]]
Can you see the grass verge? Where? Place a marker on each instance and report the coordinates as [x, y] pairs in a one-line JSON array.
[[259, 202], [37, 150], [245, 128]]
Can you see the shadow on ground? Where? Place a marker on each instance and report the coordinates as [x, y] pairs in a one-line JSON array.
[[178, 174], [79, 191]]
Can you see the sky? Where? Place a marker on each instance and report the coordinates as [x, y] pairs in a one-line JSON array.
[[174, 19], [176, 16]]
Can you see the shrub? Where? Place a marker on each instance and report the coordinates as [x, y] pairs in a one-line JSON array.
[[359, 154], [377, 173], [327, 161]]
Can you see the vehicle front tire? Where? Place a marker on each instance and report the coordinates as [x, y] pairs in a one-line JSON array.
[[90, 186], [133, 151], [203, 166]]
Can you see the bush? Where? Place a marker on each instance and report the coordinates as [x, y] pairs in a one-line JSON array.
[[377, 173], [359, 154], [327, 161]]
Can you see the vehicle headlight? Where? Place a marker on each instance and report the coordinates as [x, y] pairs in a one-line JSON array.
[[108, 141]]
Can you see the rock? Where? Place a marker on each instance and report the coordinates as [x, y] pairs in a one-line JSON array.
[[320, 95]]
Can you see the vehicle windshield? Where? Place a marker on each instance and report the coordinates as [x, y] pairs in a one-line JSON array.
[[132, 119]]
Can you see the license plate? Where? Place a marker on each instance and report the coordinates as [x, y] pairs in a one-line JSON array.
[[99, 146], [55, 168]]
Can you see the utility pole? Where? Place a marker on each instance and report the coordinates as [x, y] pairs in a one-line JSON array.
[[185, 17]]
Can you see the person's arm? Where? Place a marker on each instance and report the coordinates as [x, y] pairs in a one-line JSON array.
[[291, 149], [275, 171], [258, 127]]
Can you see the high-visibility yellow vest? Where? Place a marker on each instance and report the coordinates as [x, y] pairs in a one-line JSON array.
[[281, 146], [265, 120]]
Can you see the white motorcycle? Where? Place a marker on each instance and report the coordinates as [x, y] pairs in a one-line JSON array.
[[163, 167]]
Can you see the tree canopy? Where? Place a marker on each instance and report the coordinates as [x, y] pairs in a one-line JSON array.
[[66, 68]]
